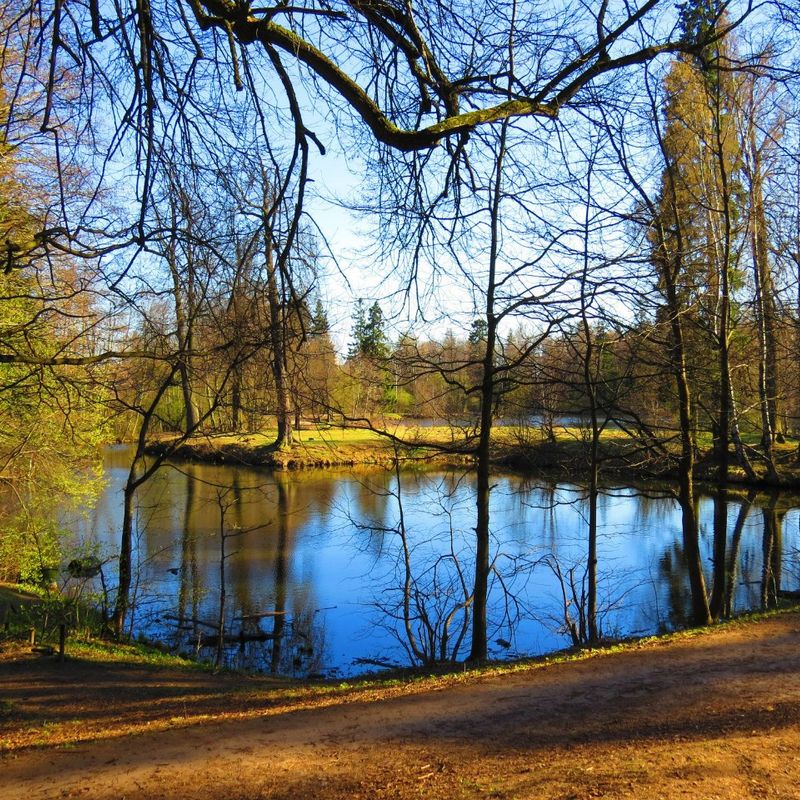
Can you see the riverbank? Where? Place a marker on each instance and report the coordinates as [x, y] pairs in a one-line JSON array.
[[525, 450], [321, 446], [710, 713]]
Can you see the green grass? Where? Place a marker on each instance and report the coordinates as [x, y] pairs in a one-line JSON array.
[[526, 447], [138, 654], [17, 595]]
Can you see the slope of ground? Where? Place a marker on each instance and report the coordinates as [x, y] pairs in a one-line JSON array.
[[527, 449], [714, 715]]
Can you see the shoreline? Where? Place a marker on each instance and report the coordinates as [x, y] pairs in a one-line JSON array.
[[543, 458]]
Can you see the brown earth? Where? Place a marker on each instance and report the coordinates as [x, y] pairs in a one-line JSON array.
[[711, 715]]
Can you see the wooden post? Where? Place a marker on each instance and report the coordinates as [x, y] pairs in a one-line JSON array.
[[62, 641], [33, 636]]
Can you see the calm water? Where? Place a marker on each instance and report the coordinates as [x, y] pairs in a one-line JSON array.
[[314, 569]]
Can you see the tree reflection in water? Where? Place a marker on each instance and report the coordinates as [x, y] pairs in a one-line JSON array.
[[328, 569]]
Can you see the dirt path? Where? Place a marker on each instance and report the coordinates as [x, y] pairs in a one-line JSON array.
[[711, 716]]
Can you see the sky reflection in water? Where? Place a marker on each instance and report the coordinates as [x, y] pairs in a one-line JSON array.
[[322, 547]]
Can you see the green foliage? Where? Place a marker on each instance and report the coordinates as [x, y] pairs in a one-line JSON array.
[[399, 400], [369, 335], [171, 411], [51, 466], [699, 19], [46, 614], [359, 327], [51, 418], [478, 331], [51, 424], [319, 320], [44, 610], [29, 550]]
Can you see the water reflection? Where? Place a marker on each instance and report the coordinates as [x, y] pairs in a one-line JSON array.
[[323, 572]]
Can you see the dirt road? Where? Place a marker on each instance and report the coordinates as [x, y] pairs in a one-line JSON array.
[[711, 716]]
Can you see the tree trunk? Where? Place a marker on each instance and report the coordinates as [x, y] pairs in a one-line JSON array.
[[236, 397], [136, 477], [184, 310], [281, 556], [190, 416], [765, 308], [283, 410], [717, 600], [478, 650], [122, 604], [590, 386], [480, 593], [701, 614], [728, 421]]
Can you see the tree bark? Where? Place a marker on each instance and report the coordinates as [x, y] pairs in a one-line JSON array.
[[765, 306], [717, 600], [590, 386], [283, 409], [184, 310], [478, 650], [125, 571], [701, 614]]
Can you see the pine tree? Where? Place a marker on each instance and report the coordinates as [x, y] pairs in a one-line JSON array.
[[703, 145], [477, 333], [376, 344], [369, 338], [319, 320], [359, 330]]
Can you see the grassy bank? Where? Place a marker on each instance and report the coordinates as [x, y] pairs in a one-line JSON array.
[[527, 449], [326, 446]]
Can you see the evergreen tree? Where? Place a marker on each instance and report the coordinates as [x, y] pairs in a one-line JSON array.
[[703, 182], [319, 320], [369, 337], [359, 330], [376, 344], [477, 333]]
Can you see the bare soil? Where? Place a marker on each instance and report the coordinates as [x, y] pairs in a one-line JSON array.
[[711, 715]]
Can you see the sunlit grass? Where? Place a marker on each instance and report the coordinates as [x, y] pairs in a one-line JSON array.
[[385, 433], [97, 651], [526, 446]]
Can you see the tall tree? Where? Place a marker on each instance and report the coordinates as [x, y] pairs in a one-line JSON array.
[[761, 128], [702, 143], [368, 337]]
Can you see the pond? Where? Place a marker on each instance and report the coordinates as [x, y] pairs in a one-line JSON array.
[[312, 573]]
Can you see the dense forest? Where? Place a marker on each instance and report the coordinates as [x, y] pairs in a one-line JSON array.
[[583, 212]]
